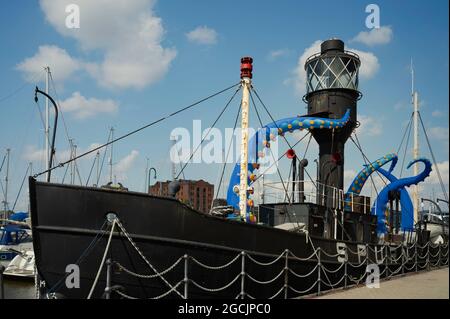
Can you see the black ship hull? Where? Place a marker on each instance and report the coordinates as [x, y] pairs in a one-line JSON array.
[[66, 220]]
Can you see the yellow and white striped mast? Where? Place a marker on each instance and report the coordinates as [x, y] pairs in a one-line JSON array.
[[246, 81]]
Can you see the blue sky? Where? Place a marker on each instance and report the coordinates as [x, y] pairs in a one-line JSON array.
[[134, 61]]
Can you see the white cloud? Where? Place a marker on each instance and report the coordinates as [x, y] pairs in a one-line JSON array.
[[202, 35], [438, 133], [127, 34], [382, 35], [370, 126], [83, 107], [443, 169], [369, 66], [49, 55], [124, 165], [437, 113], [275, 54]]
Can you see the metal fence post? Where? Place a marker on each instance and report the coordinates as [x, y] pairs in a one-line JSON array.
[[439, 260], [416, 258], [2, 288], [186, 279], [319, 266], [386, 261], [108, 278], [286, 274], [243, 275], [403, 260], [345, 273]]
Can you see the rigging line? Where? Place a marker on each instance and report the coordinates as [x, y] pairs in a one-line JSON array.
[[366, 162], [91, 170], [284, 154], [20, 88], [104, 158], [406, 149], [60, 108], [3, 162], [404, 134], [270, 150], [48, 137], [229, 149], [270, 115], [434, 158], [209, 130], [21, 186], [307, 146], [65, 173], [136, 130]]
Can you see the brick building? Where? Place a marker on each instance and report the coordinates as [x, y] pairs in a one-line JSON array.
[[198, 194]]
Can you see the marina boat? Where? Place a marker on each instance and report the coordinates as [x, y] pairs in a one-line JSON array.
[[124, 244], [16, 246]]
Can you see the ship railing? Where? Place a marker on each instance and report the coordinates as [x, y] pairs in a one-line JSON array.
[[315, 193], [321, 270]]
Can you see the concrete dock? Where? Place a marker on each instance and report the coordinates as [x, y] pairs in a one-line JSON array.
[[423, 285]]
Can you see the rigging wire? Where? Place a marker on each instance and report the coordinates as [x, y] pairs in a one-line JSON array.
[[229, 149], [21, 186], [270, 150], [136, 130], [404, 134], [20, 88], [406, 148], [270, 115], [366, 162], [433, 157], [207, 133], [104, 157]]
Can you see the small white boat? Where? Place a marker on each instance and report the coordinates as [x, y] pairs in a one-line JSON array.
[[22, 265]]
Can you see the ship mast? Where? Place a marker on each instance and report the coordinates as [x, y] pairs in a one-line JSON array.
[[246, 82], [415, 103]]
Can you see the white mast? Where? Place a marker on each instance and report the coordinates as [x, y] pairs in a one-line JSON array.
[[47, 125], [246, 76], [415, 102], [6, 184]]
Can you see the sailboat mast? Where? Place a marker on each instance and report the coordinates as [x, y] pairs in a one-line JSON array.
[[415, 102], [6, 183], [47, 118], [246, 77]]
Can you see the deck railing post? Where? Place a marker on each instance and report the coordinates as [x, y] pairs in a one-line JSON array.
[[416, 257], [319, 267], [345, 273], [286, 273], [243, 275], [403, 260], [386, 261], [186, 278], [439, 260], [2, 288]]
